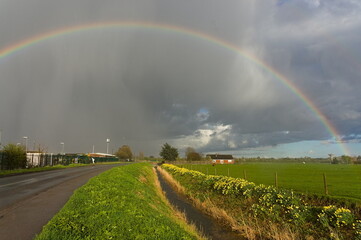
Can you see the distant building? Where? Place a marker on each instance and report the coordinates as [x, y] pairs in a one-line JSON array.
[[34, 158], [221, 158], [102, 155]]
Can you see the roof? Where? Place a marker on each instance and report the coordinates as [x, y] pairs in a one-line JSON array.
[[100, 155], [220, 156]]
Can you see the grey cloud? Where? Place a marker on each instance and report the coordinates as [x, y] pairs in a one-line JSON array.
[[144, 87]]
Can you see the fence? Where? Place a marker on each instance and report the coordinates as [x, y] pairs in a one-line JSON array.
[[47, 159]]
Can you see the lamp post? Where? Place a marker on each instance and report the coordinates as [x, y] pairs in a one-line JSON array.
[[62, 148], [26, 144], [108, 141]]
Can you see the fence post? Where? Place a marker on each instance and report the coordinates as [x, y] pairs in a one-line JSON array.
[[276, 180], [325, 183], [244, 174]]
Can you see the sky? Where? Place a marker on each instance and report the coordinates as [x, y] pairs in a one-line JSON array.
[[215, 77]]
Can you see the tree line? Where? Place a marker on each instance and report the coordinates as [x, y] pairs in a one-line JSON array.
[[169, 153]]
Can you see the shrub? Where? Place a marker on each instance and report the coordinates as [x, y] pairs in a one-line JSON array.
[[14, 157]]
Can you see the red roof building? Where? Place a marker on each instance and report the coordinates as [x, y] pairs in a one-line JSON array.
[[221, 158]]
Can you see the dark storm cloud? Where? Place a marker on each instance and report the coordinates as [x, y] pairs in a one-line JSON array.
[[324, 59], [145, 87]]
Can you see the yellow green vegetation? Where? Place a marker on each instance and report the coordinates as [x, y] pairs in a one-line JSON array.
[[343, 180], [121, 203], [265, 212]]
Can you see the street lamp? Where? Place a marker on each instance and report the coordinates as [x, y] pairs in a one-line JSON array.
[[26, 144], [108, 141], [62, 148]]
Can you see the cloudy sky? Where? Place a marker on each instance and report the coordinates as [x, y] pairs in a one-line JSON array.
[[147, 86]]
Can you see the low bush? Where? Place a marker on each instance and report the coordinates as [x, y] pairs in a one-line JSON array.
[[13, 157]]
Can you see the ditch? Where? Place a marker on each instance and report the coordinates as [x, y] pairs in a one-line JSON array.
[[205, 224]]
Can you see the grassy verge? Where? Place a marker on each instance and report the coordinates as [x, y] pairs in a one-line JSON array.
[[4, 173], [38, 169], [265, 212], [122, 203]]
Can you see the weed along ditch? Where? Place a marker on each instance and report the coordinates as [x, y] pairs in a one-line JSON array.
[[208, 226]]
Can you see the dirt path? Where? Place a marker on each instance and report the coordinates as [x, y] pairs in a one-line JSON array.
[[25, 219], [205, 224]]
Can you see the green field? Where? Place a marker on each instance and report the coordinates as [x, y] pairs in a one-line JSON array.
[[342, 180], [121, 203]]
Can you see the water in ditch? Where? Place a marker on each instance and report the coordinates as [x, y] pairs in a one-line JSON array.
[[204, 223]]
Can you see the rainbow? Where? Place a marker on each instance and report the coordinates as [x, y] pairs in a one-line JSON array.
[[9, 50]]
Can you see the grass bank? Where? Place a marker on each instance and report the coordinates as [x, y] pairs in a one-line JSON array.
[[342, 180], [265, 212], [4, 173], [122, 203]]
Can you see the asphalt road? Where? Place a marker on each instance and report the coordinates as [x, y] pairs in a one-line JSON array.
[[29, 201]]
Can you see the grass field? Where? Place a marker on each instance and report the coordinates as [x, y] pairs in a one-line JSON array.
[[342, 180], [122, 203]]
